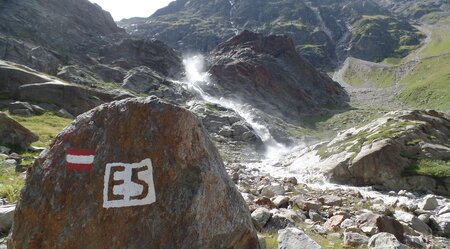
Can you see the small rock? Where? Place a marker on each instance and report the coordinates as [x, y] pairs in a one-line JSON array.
[[266, 202], [272, 190], [429, 203], [64, 114], [385, 241], [292, 180], [315, 216], [281, 201], [305, 205], [369, 230], [415, 242], [331, 200], [294, 238], [353, 229], [334, 222], [261, 216], [380, 208], [355, 239], [6, 217], [347, 223], [235, 177], [424, 217], [278, 221], [319, 229]]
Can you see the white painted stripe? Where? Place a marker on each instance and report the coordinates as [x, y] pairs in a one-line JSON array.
[[80, 159]]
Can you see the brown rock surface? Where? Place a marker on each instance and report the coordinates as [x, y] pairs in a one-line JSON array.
[[269, 74], [196, 204]]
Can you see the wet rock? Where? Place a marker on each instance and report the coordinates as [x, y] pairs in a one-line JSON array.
[[291, 238], [6, 217], [355, 239], [444, 210], [429, 203], [261, 216], [14, 134], [152, 161], [385, 240]]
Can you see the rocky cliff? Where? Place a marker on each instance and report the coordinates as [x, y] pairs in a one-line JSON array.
[[48, 35], [267, 73], [322, 30]]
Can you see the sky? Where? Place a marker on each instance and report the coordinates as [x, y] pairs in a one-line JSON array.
[[120, 9]]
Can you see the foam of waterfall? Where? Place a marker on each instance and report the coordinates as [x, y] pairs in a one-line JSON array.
[[197, 79]]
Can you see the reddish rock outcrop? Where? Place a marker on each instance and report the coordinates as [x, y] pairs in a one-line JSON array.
[[156, 181], [268, 73]]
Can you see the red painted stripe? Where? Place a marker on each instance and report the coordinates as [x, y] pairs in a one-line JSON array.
[[79, 167], [80, 152]]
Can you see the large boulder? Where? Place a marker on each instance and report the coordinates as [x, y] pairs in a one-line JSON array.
[[389, 152], [74, 98], [14, 134], [12, 76], [131, 174], [269, 74]]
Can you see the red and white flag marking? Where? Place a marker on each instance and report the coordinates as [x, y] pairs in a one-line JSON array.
[[80, 159]]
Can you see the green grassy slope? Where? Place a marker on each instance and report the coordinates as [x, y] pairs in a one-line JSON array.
[[428, 85]]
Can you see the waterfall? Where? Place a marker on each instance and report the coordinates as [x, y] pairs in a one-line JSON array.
[[197, 78]]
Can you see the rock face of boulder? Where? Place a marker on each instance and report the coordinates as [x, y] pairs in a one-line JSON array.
[[22, 83], [269, 74], [75, 99], [14, 134], [152, 178], [389, 152]]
